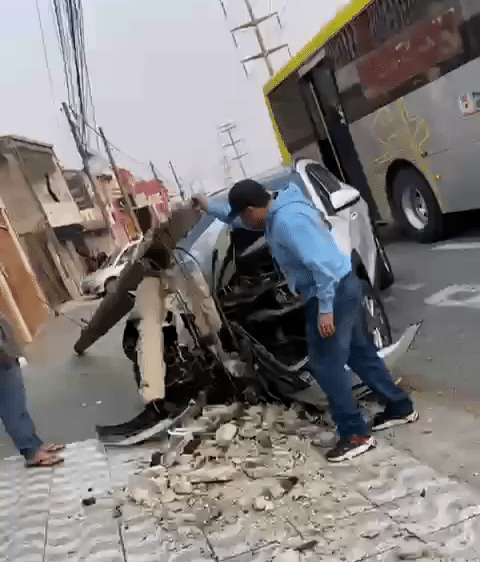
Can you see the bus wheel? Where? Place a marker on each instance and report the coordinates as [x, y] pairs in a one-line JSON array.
[[415, 207]]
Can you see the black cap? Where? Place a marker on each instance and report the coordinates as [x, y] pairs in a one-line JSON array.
[[247, 193]]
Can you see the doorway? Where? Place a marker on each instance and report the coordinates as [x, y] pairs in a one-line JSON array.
[[336, 142]]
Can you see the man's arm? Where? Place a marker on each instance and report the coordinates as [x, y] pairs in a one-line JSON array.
[[220, 212]]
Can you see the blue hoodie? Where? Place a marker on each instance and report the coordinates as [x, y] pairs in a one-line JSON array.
[[302, 245]]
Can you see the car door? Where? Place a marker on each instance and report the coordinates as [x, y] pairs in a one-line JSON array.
[[352, 228], [319, 187]]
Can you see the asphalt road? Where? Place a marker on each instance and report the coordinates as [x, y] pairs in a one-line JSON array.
[[439, 284]]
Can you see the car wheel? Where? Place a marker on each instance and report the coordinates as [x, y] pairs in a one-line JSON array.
[[385, 275], [415, 206], [111, 285], [377, 321]]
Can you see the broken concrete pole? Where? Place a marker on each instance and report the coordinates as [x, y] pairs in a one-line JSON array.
[[226, 434], [151, 303]]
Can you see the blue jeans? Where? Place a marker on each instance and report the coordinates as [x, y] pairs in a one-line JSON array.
[[352, 346], [13, 411]]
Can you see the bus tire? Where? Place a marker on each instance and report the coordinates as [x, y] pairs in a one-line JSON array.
[[415, 206]]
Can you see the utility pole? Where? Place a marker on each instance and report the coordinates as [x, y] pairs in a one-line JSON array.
[[227, 129], [86, 167], [154, 173], [227, 169], [254, 23], [177, 181], [123, 189]]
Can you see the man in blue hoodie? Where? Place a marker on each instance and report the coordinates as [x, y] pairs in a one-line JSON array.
[[306, 252]]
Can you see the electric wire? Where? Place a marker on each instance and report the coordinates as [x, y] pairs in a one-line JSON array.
[[45, 53], [69, 26]]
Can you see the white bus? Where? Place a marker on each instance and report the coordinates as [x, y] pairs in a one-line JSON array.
[[387, 95]]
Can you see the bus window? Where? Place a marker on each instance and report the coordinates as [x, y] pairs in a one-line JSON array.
[[291, 115]]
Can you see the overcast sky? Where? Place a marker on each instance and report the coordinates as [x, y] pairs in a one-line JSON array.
[[164, 74]]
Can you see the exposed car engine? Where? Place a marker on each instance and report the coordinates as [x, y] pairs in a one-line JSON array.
[[264, 326]]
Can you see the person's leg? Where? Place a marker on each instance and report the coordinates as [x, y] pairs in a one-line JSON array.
[[366, 363], [13, 412], [327, 360]]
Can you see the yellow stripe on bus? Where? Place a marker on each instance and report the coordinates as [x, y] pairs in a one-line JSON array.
[[326, 33]]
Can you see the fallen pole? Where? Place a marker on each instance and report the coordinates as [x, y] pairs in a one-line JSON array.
[[154, 253]]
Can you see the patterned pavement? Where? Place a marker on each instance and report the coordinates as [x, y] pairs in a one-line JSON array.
[[382, 507]]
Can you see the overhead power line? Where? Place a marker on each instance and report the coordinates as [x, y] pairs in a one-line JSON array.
[[95, 130], [45, 54], [69, 24]]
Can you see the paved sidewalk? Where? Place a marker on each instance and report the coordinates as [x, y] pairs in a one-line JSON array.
[[381, 507]]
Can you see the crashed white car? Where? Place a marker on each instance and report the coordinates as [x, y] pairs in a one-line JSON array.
[[263, 320], [225, 256], [230, 327]]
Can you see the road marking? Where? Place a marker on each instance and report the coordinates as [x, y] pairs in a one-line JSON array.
[[413, 287], [459, 246], [466, 296]]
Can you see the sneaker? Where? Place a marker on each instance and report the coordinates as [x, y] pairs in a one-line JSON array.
[[385, 419], [152, 420], [350, 447]]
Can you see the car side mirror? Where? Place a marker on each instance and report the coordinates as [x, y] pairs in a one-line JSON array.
[[344, 198]]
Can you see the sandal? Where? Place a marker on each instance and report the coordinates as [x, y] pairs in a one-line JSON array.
[[45, 459], [53, 448]]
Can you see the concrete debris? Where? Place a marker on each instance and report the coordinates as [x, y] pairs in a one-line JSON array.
[[326, 439], [225, 434], [262, 504], [244, 465], [287, 556], [181, 486], [249, 430], [413, 552]]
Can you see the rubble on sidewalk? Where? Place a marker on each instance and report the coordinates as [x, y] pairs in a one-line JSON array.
[[248, 468]]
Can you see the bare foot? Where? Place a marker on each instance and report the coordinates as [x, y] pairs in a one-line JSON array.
[[53, 448], [43, 458]]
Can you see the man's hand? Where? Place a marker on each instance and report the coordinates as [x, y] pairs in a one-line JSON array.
[[326, 325], [200, 203]]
